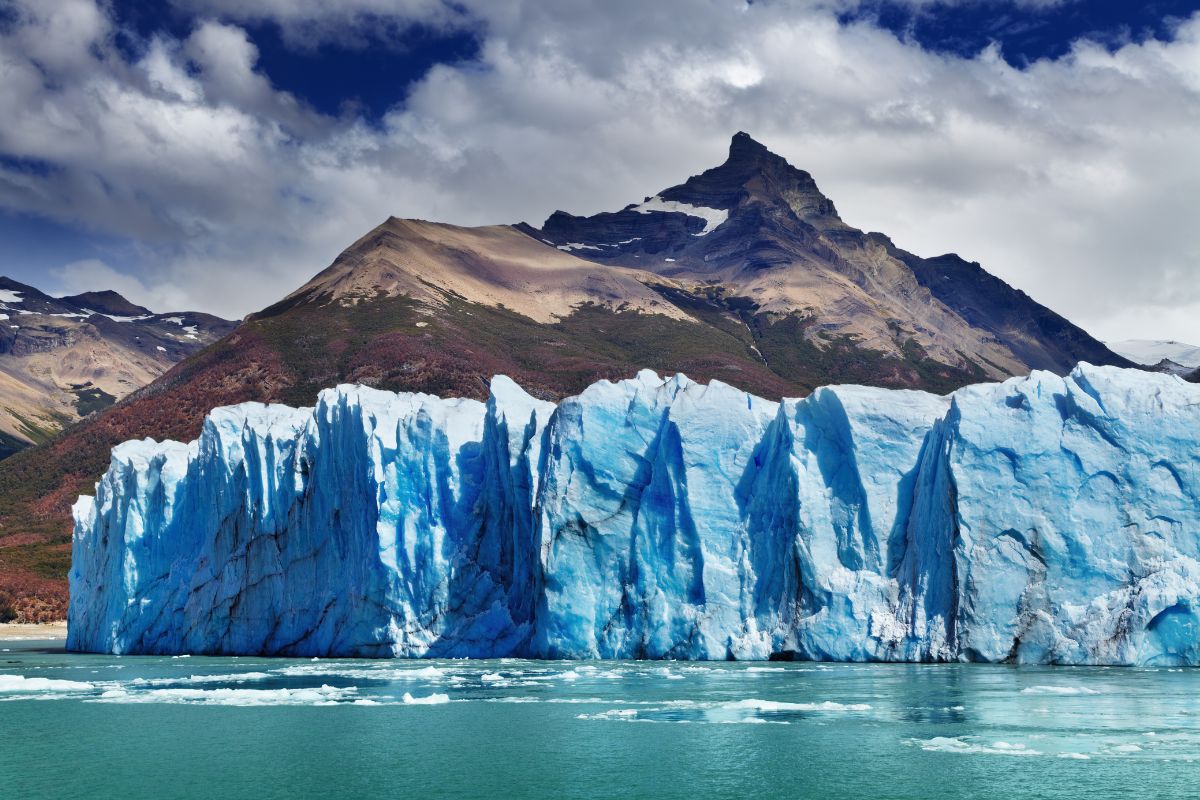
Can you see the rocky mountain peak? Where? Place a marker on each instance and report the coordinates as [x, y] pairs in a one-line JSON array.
[[753, 172], [747, 156], [754, 195], [744, 145]]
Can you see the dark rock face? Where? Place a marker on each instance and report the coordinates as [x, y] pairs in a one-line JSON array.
[[1038, 336]]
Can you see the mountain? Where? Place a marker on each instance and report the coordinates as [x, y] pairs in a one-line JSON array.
[[768, 247], [745, 274], [64, 358], [1170, 356], [662, 518]]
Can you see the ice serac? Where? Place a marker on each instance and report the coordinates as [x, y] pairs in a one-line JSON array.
[[644, 548], [351, 527], [828, 520], [1076, 517], [1043, 519]]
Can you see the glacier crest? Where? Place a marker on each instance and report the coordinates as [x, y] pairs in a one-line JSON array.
[[1045, 519]]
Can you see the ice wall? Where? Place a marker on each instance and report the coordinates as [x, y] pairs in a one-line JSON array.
[[1044, 519]]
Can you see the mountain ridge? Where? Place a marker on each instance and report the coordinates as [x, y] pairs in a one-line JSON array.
[[62, 358], [784, 245], [1163, 355]]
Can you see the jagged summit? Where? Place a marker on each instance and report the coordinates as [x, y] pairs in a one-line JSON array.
[[744, 145], [752, 191], [754, 173]]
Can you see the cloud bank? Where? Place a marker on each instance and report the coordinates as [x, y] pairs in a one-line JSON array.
[[1074, 179]]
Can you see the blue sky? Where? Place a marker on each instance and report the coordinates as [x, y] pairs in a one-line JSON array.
[[1026, 32], [369, 72], [372, 71], [215, 154]]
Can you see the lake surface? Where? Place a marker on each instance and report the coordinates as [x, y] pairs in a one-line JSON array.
[[82, 726]]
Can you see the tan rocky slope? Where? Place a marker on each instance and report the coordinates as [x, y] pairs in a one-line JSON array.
[[495, 265], [64, 358]]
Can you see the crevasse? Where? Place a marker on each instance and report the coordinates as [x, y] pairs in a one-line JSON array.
[[1043, 519]]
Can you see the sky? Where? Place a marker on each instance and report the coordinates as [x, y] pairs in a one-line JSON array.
[[215, 154]]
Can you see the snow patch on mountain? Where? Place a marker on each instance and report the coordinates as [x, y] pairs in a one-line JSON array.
[[713, 217]]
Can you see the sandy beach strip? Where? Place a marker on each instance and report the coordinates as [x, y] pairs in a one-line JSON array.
[[50, 630]]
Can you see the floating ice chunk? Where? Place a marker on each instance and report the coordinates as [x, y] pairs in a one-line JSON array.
[[779, 705], [235, 677], [950, 744], [323, 695], [20, 683], [431, 700]]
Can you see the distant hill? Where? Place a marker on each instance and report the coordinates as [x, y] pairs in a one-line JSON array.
[[745, 273], [64, 358], [1164, 356]]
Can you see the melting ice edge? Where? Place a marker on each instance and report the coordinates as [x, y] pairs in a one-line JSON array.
[[1043, 519]]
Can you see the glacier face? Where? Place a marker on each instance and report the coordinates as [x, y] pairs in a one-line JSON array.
[[1043, 519]]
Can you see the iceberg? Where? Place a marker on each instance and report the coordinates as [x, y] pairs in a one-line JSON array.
[[1044, 519]]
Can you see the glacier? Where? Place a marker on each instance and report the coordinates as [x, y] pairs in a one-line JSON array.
[[1044, 519]]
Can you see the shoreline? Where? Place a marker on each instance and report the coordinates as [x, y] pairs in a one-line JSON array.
[[15, 632]]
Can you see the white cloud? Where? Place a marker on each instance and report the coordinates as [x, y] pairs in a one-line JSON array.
[[1074, 179], [90, 274], [307, 23]]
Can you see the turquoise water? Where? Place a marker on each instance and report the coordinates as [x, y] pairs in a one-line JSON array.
[[80, 726]]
